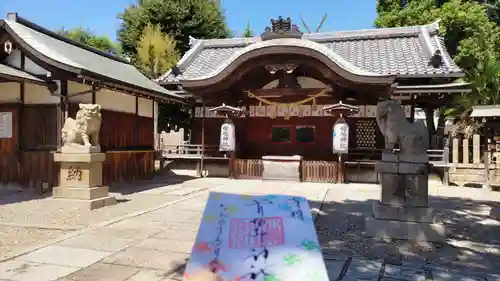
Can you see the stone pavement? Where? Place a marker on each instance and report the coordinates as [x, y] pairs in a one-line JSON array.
[[155, 245]]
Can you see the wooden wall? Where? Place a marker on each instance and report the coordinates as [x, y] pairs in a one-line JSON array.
[[27, 157], [253, 136]]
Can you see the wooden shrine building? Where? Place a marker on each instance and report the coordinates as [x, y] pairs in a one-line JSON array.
[[284, 79], [43, 78]]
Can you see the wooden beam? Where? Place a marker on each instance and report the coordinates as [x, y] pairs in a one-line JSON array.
[[62, 110], [20, 112], [94, 90], [286, 92]]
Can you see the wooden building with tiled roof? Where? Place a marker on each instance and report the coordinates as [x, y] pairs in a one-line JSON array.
[[43, 77], [283, 79]]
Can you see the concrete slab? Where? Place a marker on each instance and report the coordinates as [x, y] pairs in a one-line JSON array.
[[363, 270], [447, 276], [146, 258], [334, 268], [29, 271], [102, 271], [98, 242], [415, 231], [171, 215], [138, 223], [167, 245], [66, 256], [404, 273], [126, 233], [186, 226], [178, 235], [149, 275]]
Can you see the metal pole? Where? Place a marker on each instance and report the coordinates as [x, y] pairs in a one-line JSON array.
[[202, 141]]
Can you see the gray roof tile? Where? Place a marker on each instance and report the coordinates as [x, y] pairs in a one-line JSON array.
[[392, 51], [76, 58], [9, 72]]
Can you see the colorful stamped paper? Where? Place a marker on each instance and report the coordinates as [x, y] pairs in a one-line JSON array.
[[264, 238]]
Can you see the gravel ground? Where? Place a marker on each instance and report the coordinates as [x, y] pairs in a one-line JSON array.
[[28, 219], [14, 239], [473, 239]]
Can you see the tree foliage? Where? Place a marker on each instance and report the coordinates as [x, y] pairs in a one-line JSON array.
[[156, 52], [85, 36], [472, 36], [248, 32], [179, 18], [464, 24]]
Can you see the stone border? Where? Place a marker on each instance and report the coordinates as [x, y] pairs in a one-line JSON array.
[[42, 226], [16, 254]]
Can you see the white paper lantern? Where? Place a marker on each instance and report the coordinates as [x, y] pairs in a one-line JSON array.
[[227, 136], [340, 137]]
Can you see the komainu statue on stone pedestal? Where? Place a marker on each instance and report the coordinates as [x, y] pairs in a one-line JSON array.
[[413, 141], [412, 138], [83, 131]]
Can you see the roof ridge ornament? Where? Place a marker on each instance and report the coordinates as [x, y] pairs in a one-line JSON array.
[[281, 28]]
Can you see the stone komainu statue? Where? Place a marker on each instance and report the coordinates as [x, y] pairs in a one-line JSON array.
[[84, 129], [412, 138]]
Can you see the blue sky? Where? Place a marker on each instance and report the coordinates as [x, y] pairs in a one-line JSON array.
[[100, 16]]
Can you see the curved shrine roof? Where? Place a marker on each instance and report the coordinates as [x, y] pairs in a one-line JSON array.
[[404, 52]]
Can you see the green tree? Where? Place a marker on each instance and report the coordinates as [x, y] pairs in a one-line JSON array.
[[472, 36], [248, 31], [463, 24], [156, 52], [180, 18], [86, 37]]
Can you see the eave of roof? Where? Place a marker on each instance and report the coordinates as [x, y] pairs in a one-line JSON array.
[[479, 111], [80, 59], [13, 74], [460, 87]]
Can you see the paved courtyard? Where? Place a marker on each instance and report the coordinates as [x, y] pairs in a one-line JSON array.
[[153, 243]]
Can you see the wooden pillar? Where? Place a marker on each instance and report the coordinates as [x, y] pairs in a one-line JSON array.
[[412, 109], [200, 171], [454, 150], [429, 118], [94, 90], [486, 134], [62, 110], [232, 160], [476, 149], [136, 122], [20, 111], [465, 151], [341, 169], [446, 161]]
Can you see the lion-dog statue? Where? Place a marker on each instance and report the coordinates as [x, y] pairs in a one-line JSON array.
[[411, 138], [84, 129]]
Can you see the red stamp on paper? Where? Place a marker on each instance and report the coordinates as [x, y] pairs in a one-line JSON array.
[[242, 234]]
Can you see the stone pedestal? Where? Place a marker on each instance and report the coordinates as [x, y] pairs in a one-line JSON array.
[[403, 211], [81, 181]]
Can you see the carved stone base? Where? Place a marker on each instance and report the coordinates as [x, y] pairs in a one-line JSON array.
[[406, 230], [86, 204], [402, 213], [80, 182], [77, 148], [80, 192]]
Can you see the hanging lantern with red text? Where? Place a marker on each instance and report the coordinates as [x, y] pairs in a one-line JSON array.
[[227, 136], [340, 137]]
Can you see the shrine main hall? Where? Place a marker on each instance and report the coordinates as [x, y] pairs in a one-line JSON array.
[[285, 86]]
